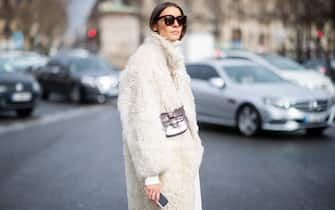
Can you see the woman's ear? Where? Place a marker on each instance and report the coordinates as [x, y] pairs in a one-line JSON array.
[[155, 27]]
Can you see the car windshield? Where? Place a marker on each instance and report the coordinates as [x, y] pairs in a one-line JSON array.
[[6, 66], [283, 62], [20, 63], [332, 63], [94, 64], [248, 74]]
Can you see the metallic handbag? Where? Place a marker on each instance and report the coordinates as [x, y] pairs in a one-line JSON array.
[[174, 122]]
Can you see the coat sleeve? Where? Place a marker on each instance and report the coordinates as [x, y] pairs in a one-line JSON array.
[[151, 180], [139, 104]]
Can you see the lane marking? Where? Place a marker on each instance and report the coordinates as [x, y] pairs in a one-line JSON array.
[[50, 118]]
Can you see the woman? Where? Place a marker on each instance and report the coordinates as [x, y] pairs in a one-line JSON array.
[[155, 81]]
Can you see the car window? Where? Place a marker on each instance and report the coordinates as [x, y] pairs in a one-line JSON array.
[[315, 63], [202, 72], [283, 62], [238, 57], [332, 64], [26, 60], [6, 66], [53, 63], [56, 66], [311, 64], [246, 74], [94, 64]]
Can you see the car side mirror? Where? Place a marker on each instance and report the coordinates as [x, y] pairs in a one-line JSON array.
[[65, 71], [217, 82], [29, 69]]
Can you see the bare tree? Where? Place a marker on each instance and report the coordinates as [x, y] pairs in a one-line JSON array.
[[50, 17]]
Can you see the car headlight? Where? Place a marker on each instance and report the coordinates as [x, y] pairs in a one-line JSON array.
[[36, 87], [283, 103], [332, 101], [3, 88], [331, 87], [87, 80], [104, 83]]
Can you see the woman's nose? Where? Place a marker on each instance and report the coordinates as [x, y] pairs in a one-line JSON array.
[[175, 23]]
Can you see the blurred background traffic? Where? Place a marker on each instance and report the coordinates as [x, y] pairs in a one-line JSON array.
[[262, 73]]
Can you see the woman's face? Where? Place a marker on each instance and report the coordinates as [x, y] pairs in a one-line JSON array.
[[172, 32]]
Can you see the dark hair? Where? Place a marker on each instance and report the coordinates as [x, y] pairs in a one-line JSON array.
[[159, 9]]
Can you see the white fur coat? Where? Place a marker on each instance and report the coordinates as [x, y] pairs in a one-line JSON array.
[[154, 75]]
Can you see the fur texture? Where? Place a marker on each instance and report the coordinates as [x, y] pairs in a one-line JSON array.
[[150, 84]]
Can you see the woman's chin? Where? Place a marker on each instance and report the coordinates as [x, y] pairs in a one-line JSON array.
[[174, 37]]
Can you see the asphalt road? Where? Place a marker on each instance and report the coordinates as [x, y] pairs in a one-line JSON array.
[[69, 157]]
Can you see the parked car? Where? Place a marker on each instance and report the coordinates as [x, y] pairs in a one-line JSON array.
[[322, 66], [241, 93], [287, 69], [72, 51], [79, 77], [18, 91], [25, 61]]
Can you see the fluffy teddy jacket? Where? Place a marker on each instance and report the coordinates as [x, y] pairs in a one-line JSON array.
[[155, 81]]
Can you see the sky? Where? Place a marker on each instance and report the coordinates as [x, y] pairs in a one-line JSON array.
[[78, 11]]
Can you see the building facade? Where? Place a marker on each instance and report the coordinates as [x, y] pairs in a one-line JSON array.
[[254, 25]]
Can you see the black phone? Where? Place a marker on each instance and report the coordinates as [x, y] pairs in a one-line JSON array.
[[163, 201]]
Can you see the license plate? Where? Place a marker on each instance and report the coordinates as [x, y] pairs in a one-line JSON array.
[[21, 97], [314, 118]]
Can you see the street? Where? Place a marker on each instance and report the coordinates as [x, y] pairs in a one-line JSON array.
[[257, 65], [69, 157]]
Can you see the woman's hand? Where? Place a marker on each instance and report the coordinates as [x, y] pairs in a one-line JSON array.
[[152, 192]]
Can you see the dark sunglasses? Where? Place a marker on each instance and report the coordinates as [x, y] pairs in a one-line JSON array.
[[169, 20]]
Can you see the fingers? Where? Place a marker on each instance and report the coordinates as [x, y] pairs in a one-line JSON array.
[[152, 193], [157, 197], [148, 192]]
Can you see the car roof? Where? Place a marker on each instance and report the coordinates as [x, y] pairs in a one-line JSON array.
[[73, 51], [223, 62], [69, 57], [246, 53], [237, 52]]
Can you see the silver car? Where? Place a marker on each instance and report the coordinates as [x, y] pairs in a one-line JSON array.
[[241, 93], [287, 69]]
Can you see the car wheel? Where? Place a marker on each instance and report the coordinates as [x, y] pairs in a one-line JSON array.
[[315, 131], [101, 99], [22, 113], [45, 95], [76, 95], [248, 120]]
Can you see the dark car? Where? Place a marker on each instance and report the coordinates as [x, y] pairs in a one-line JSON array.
[[18, 91], [321, 65], [80, 78], [25, 61]]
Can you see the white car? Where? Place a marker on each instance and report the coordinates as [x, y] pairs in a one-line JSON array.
[[288, 69]]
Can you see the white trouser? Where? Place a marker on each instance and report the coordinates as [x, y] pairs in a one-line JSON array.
[[197, 193]]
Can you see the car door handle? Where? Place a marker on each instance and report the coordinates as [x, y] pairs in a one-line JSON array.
[[231, 101]]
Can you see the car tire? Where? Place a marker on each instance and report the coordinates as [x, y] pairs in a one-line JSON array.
[[76, 95], [101, 99], [248, 120], [315, 131], [45, 95], [23, 113]]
